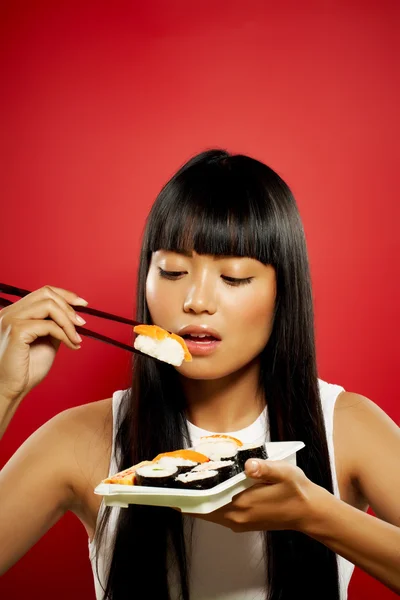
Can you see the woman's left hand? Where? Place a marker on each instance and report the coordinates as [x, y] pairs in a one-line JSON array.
[[282, 498]]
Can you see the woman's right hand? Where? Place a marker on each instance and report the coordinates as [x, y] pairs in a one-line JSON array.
[[31, 331]]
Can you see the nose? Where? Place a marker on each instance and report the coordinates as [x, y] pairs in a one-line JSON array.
[[201, 297]]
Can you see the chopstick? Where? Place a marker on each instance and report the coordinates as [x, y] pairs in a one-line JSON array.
[[14, 291], [19, 292]]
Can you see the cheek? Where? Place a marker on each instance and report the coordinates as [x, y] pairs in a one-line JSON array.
[[254, 311], [157, 289], [253, 327], [152, 295]]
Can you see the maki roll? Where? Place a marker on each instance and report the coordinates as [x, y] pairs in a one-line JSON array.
[[250, 451], [225, 468], [161, 344], [126, 477], [197, 480], [219, 447], [183, 464], [155, 475]]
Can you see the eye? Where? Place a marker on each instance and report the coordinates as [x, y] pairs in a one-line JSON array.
[[235, 281], [170, 274]]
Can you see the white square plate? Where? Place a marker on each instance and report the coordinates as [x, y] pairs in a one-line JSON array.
[[193, 501]]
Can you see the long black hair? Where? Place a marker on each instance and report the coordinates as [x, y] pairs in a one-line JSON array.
[[224, 204]]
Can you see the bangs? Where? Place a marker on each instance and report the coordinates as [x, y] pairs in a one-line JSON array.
[[216, 213]]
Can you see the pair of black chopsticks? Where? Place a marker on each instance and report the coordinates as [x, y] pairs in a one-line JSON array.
[[14, 291]]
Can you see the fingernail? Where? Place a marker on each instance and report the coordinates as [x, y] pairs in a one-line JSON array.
[[80, 320], [78, 337], [81, 301], [254, 467]]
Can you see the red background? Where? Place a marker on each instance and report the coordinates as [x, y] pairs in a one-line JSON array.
[[100, 105]]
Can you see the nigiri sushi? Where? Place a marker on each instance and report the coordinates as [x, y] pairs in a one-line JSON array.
[[219, 447], [161, 344], [187, 454]]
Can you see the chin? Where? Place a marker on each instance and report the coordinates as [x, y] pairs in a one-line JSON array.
[[202, 371]]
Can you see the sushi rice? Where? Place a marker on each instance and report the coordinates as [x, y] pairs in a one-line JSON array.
[[217, 449], [197, 481], [168, 350], [182, 464], [225, 468]]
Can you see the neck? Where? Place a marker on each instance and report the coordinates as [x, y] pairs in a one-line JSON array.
[[227, 404]]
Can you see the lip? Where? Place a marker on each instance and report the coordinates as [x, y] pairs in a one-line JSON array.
[[201, 348], [204, 329]]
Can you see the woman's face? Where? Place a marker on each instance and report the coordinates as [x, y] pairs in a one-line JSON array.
[[229, 299]]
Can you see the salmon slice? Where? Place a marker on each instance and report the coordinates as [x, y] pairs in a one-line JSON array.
[[158, 333], [187, 454]]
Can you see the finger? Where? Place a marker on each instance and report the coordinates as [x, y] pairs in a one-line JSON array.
[[67, 295], [62, 297], [46, 308], [29, 331], [63, 303], [268, 471]]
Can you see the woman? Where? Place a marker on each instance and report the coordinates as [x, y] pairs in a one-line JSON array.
[[223, 256]]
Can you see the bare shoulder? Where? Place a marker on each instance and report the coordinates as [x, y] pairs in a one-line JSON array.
[[87, 434], [358, 414], [367, 448], [85, 418], [87, 431]]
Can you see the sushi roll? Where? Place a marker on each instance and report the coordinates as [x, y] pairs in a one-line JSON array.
[[225, 468], [250, 451], [219, 447], [197, 481], [161, 344], [127, 477], [183, 464], [155, 475]]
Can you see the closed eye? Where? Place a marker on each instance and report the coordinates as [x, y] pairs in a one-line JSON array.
[[170, 274], [232, 281], [235, 281]]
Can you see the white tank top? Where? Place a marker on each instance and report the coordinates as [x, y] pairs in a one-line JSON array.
[[233, 562]]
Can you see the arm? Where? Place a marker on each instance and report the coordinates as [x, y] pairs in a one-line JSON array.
[[35, 489], [364, 540], [36, 484], [368, 444]]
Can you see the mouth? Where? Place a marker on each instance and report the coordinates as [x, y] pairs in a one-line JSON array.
[[201, 341]]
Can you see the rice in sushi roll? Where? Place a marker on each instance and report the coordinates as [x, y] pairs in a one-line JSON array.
[[225, 468], [161, 344], [156, 475], [197, 481], [250, 451], [183, 464]]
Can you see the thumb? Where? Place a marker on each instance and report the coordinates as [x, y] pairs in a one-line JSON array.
[[268, 471]]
